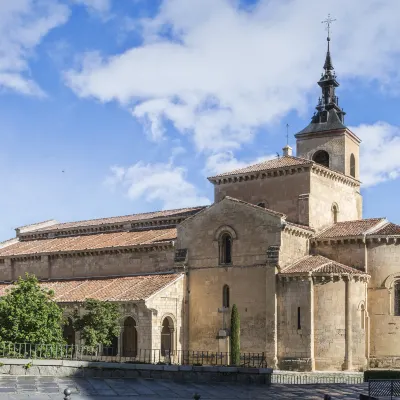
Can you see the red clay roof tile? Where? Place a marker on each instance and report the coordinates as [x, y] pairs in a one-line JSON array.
[[129, 288], [89, 242]]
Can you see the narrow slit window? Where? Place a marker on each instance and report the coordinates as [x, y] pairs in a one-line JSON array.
[[225, 296], [226, 249], [298, 318], [362, 317], [397, 298]]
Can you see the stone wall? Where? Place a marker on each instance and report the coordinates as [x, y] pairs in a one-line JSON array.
[[91, 265], [280, 193], [326, 191], [168, 303], [185, 373], [294, 345], [330, 324], [251, 282], [384, 268], [293, 247]]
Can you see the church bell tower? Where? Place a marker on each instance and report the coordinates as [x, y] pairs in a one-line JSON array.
[[327, 140]]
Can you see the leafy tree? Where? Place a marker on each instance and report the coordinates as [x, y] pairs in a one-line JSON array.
[[235, 336], [99, 324], [28, 314]]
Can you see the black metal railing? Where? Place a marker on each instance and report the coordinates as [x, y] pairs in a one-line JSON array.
[[384, 388], [141, 356]]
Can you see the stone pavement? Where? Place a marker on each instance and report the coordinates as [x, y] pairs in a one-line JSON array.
[[35, 387]]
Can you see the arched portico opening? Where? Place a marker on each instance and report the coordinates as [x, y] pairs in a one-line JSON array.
[[69, 332], [167, 334], [129, 338]]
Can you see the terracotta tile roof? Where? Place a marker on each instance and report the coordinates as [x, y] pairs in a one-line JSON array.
[[350, 228], [122, 219], [281, 162], [387, 230], [89, 242], [319, 264], [129, 288], [278, 214]]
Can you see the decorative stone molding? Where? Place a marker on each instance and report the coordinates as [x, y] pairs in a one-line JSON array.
[[223, 229], [123, 227], [361, 239]]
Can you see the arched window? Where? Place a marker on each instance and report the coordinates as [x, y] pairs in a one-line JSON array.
[[397, 298], [225, 296], [167, 331], [352, 165], [129, 338], [225, 249], [321, 157], [335, 212]]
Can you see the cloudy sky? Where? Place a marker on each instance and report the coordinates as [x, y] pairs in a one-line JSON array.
[[112, 107]]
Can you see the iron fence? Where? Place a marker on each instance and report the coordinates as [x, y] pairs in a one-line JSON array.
[[142, 356], [384, 388]]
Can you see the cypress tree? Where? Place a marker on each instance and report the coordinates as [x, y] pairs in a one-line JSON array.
[[235, 336]]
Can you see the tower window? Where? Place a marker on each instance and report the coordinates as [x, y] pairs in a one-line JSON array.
[[352, 165], [225, 249], [321, 157], [225, 296]]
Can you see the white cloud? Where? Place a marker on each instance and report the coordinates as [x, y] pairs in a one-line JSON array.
[[227, 71], [379, 152], [23, 25], [156, 182], [219, 163], [101, 6]]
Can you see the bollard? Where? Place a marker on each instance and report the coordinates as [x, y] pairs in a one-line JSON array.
[[196, 396], [67, 394], [327, 397]]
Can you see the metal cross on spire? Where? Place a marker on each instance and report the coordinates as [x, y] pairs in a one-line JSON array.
[[328, 22]]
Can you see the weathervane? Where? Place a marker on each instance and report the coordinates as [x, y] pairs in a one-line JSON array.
[[328, 22]]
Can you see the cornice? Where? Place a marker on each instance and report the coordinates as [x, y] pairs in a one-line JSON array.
[[334, 175], [317, 277], [109, 228], [270, 173], [361, 239]]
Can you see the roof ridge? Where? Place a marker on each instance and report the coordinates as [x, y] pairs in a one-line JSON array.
[[268, 210], [384, 222], [296, 262]]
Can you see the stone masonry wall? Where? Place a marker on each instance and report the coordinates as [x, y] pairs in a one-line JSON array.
[[95, 265], [324, 193], [251, 282], [281, 193], [384, 268], [294, 343], [168, 303]]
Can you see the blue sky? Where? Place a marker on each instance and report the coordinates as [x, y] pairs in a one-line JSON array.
[[112, 107]]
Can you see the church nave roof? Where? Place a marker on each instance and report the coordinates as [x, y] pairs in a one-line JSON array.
[[127, 288]]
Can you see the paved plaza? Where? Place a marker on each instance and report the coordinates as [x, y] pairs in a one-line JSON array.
[[32, 387]]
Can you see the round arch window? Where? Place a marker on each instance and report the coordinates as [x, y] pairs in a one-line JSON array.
[[321, 157]]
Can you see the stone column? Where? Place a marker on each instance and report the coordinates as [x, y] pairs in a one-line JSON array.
[[349, 326], [312, 356], [120, 341]]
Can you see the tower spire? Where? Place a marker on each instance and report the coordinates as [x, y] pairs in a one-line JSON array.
[[328, 60], [329, 116]]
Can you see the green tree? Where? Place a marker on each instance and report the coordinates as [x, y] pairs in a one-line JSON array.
[[100, 322], [235, 336], [28, 314]]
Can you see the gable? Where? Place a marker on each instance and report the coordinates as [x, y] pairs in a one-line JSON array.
[[252, 228]]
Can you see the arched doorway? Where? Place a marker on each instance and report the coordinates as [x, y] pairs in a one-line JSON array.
[[69, 333], [167, 336], [129, 338]]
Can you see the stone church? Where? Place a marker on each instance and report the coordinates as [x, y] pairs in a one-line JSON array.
[[316, 285]]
